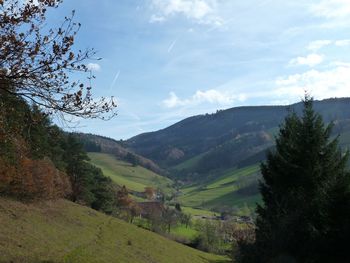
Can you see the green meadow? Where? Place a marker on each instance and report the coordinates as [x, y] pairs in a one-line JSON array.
[[62, 231], [227, 190], [135, 178]]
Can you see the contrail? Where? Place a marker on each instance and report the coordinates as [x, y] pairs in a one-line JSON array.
[[172, 46], [115, 80]]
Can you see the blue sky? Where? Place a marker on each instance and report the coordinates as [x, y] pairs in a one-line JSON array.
[[165, 60]]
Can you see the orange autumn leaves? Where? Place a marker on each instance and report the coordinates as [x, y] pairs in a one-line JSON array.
[[33, 179]]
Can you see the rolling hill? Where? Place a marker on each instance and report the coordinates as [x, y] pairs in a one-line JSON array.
[[61, 231], [219, 167], [227, 138]]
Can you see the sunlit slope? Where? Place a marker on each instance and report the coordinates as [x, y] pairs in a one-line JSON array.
[[233, 187], [135, 178], [237, 187], [235, 137], [62, 231]]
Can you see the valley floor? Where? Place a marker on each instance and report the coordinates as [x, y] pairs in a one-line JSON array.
[[61, 231]]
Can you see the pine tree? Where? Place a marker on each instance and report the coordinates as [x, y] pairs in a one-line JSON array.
[[305, 191]]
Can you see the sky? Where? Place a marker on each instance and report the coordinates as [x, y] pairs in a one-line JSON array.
[[166, 60]]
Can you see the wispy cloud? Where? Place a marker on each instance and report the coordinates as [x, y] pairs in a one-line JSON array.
[[318, 44], [310, 60], [156, 19], [331, 8], [211, 96], [342, 43]]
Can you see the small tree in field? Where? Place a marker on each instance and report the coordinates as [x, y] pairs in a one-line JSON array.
[[36, 63], [150, 193], [306, 196]]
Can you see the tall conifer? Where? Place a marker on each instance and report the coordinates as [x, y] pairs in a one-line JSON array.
[[305, 189]]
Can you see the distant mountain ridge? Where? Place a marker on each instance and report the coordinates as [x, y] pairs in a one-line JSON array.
[[235, 137]]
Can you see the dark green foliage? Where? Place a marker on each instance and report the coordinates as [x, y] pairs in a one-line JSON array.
[[20, 120], [306, 195], [131, 158], [75, 158], [178, 207], [99, 190], [89, 145], [13, 116], [89, 185], [36, 133], [233, 152]]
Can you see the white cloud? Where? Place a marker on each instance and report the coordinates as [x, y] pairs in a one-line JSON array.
[[318, 44], [200, 11], [210, 96], [173, 101], [334, 82], [310, 60], [93, 67], [342, 43], [331, 8]]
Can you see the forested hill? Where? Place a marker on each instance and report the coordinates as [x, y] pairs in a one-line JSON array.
[[242, 133]]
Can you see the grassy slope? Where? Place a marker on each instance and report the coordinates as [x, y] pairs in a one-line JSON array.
[[61, 231], [186, 232], [197, 212], [188, 164], [123, 173], [222, 191]]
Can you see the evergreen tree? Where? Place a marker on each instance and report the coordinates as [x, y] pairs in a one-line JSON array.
[[75, 158], [305, 190]]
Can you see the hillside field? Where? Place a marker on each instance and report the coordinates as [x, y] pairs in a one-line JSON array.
[[135, 178], [235, 188], [61, 231]]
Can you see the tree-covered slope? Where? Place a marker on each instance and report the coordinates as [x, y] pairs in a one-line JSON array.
[[228, 138], [61, 231]]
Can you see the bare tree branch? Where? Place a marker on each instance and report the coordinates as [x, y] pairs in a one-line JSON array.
[[39, 63]]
